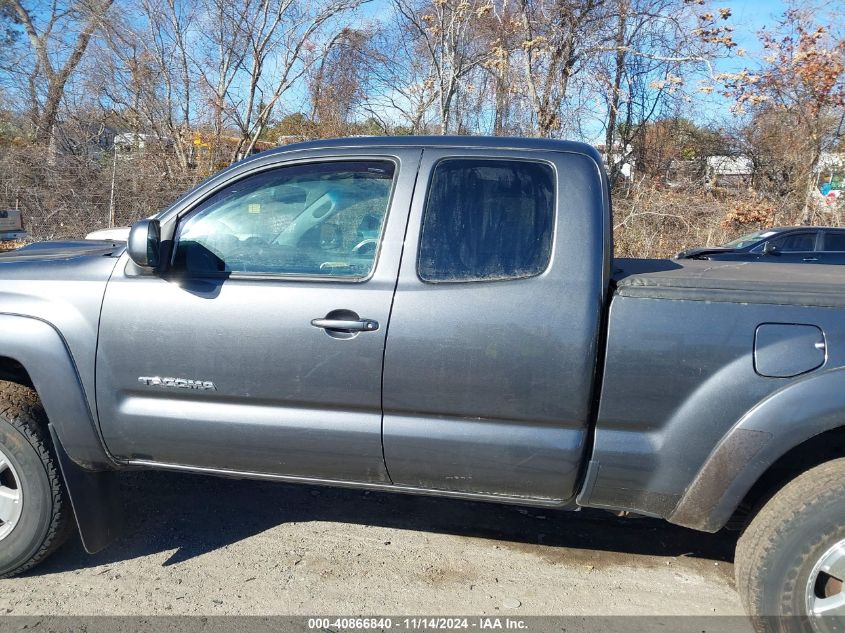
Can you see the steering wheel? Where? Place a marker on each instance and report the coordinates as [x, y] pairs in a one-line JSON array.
[[361, 248]]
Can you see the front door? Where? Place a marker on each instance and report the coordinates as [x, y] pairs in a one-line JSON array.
[[261, 350], [794, 248]]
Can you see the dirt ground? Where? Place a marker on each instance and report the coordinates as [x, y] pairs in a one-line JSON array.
[[209, 546]]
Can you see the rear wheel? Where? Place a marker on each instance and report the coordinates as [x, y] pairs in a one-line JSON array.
[[34, 514], [790, 561]]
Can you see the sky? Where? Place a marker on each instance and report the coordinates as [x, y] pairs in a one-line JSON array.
[[749, 17]]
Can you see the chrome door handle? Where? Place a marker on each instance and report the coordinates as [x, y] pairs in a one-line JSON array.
[[811, 259], [359, 325]]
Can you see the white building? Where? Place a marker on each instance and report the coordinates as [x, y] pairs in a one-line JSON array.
[[729, 170]]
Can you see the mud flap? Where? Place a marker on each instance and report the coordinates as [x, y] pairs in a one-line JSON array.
[[95, 498]]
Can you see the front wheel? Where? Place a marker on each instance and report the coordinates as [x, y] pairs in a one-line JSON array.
[[790, 561], [34, 513]]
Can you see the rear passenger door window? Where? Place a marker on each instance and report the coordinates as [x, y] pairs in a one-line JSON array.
[[834, 242], [487, 220], [795, 243]]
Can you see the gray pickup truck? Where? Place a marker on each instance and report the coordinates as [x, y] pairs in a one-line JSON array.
[[436, 316]]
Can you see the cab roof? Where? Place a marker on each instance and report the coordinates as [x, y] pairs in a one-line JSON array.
[[468, 142]]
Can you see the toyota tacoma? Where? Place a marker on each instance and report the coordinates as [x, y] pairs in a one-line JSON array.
[[438, 316]]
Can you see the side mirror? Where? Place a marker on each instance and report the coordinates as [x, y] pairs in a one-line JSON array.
[[769, 249], [144, 244]]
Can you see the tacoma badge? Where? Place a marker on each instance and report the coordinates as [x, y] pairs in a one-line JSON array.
[[178, 383]]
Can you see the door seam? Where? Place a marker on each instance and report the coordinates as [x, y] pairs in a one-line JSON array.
[[392, 300]]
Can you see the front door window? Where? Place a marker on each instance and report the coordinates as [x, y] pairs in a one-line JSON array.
[[322, 219]]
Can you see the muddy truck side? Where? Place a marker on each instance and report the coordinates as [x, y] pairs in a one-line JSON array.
[[436, 316]]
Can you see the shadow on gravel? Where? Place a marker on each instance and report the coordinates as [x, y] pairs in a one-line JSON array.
[[194, 515]]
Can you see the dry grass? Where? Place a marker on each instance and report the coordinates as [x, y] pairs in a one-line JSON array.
[[651, 222], [659, 222]]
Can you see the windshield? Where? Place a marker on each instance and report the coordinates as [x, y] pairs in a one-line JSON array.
[[748, 240]]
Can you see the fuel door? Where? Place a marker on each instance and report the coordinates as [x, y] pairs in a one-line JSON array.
[[784, 350]]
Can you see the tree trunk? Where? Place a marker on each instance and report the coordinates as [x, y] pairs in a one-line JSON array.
[[45, 124], [808, 211], [613, 110], [500, 120]]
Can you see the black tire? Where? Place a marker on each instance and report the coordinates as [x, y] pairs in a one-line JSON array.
[[777, 553], [44, 522]]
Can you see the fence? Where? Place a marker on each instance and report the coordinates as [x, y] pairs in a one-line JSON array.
[[66, 196]]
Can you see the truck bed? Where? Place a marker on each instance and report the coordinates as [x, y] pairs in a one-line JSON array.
[[681, 369], [735, 282]]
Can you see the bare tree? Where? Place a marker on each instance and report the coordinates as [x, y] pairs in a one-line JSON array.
[[144, 73], [558, 36], [502, 32], [653, 47], [337, 81], [445, 31], [280, 35], [798, 92], [225, 45], [402, 82], [58, 35]]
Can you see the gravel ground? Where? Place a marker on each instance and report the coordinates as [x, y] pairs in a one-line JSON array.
[[209, 546]]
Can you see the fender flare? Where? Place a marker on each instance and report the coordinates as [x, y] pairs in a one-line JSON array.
[[42, 351], [786, 418], [88, 471]]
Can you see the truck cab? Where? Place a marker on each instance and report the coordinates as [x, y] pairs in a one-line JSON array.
[[366, 314]]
